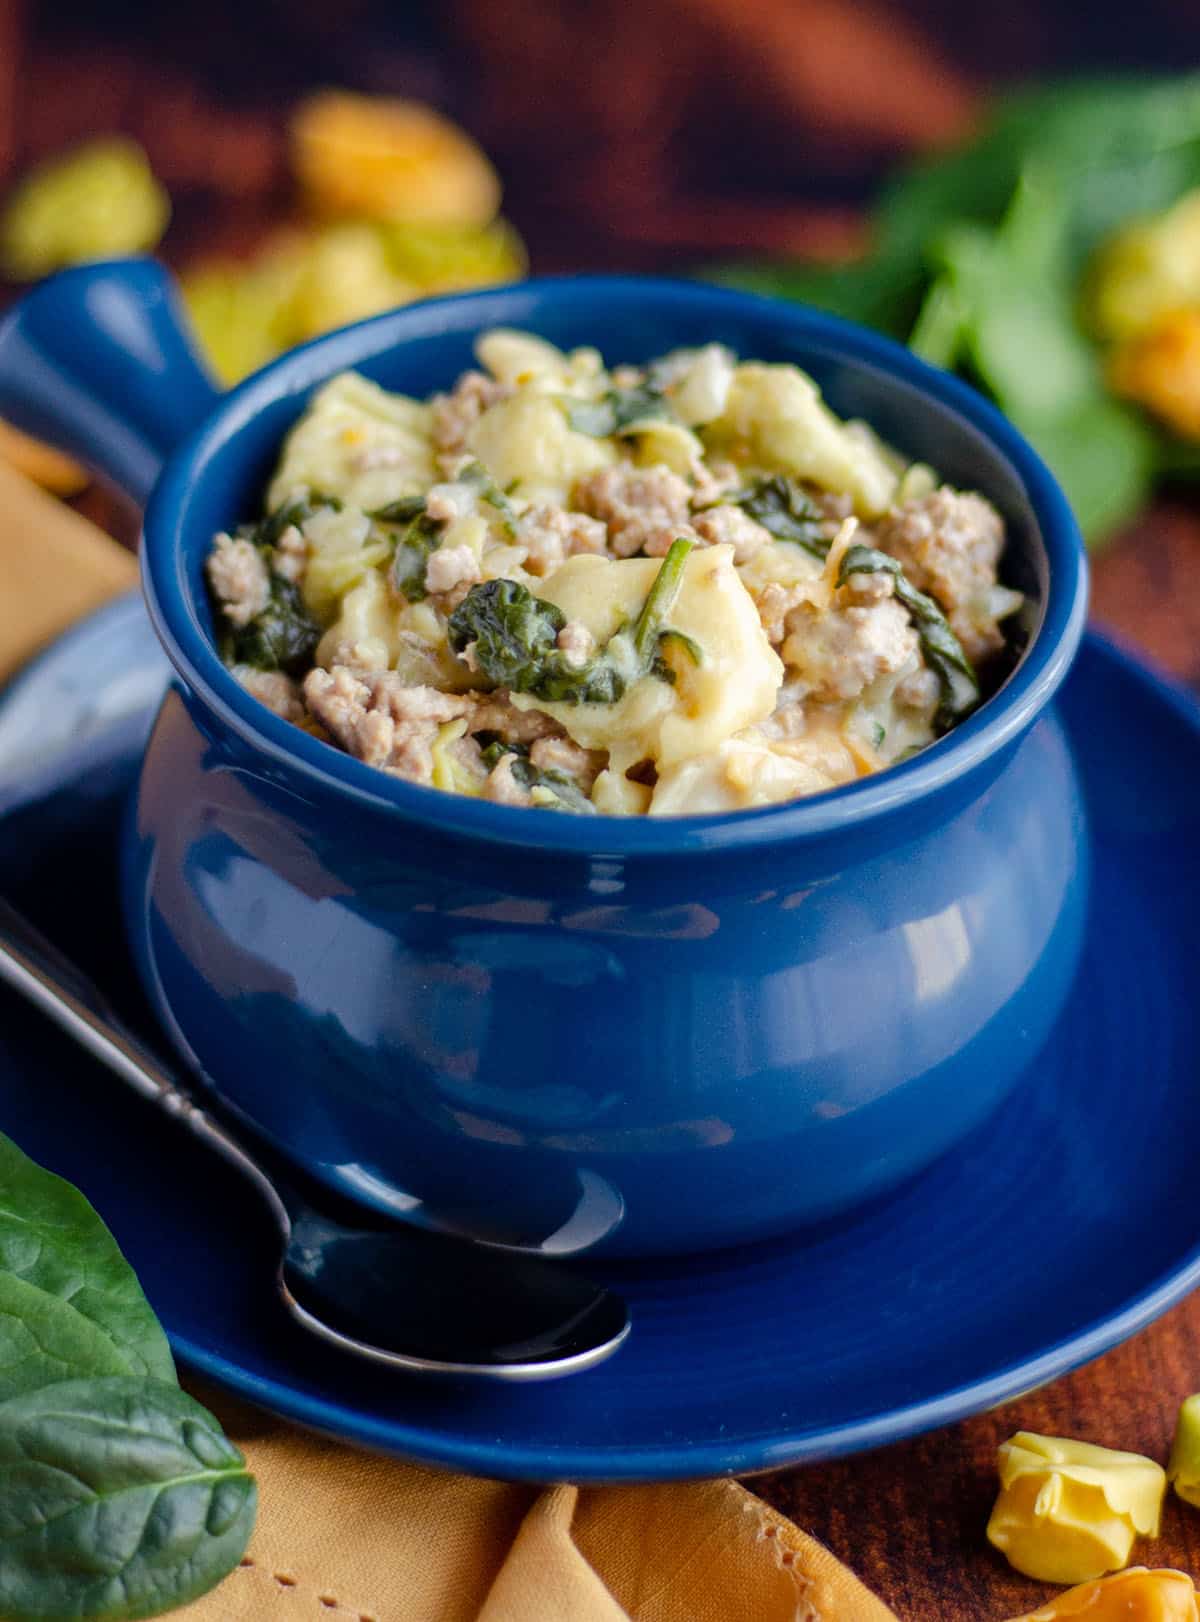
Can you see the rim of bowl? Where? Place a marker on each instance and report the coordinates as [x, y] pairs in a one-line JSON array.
[[999, 721]]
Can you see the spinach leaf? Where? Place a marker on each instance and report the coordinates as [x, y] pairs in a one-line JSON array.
[[43, 1338], [515, 636], [51, 1238], [478, 477], [401, 511], [119, 1498], [515, 633], [618, 411], [941, 648], [566, 791], [283, 636], [981, 272], [411, 558], [784, 508], [267, 531]]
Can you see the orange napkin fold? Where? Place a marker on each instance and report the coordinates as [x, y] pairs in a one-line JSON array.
[[343, 1536]]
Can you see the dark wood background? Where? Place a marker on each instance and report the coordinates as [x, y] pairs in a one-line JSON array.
[[656, 134]]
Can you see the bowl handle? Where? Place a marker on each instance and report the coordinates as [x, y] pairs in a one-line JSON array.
[[100, 361]]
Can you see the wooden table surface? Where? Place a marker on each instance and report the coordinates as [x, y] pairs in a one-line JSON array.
[[910, 1519]]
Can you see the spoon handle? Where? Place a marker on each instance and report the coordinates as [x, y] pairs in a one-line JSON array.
[[49, 980]]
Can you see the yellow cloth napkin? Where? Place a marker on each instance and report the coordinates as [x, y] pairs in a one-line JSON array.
[[346, 1537]]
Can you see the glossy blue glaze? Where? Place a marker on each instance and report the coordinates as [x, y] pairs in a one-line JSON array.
[[556, 1031], [1064, 1223]]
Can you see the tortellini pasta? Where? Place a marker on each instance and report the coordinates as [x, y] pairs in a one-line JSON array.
[[683, 587]]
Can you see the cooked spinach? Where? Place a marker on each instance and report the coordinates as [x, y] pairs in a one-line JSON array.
[[941, 648], [268, 530], [401, 511], [565, 789], [283, 636], [410, 559], [515, 637], [478, 477], [119, 1498], [52, 1239], [618, 411], [784, 508], [422, 535]]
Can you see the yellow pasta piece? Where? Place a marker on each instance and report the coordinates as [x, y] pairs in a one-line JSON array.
[[380, 159], [1160, 369], [1145, 271], [99, 200], [1183, 1469], [1136, 1595], [1068, 1511]]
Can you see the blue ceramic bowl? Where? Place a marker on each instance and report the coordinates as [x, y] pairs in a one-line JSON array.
[[647, 1036]]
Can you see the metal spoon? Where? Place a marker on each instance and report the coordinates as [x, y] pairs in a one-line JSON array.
[[400, 1295]]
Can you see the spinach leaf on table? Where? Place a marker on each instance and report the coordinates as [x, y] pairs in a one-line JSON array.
[[44, 1339], [119, 1498], [52, 1239], [978, 257]]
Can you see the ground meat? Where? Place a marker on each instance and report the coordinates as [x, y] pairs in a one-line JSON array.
[[866, 588], [949, 543], [291, 555], [775, 603], [576, 644], [550, 535], [454, 415], [561, 755], [645, 508], [451, 566], [787, 719], [503, 787], [840, 652], [725, 524], [919, 690], [446, 502], [272, 688], [494, 713], [239, 579], [374, 716], [361, 656], [711, 481]]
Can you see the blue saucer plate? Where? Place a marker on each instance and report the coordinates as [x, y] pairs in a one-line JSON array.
[[1065, 1224]]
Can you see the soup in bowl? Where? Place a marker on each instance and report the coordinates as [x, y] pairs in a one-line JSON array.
[[403, 895]]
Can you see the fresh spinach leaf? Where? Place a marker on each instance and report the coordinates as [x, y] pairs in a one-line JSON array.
[[43, 1339], [784, 508], [119, 1498], [941, 648], [618, 411], [51, 1238]]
